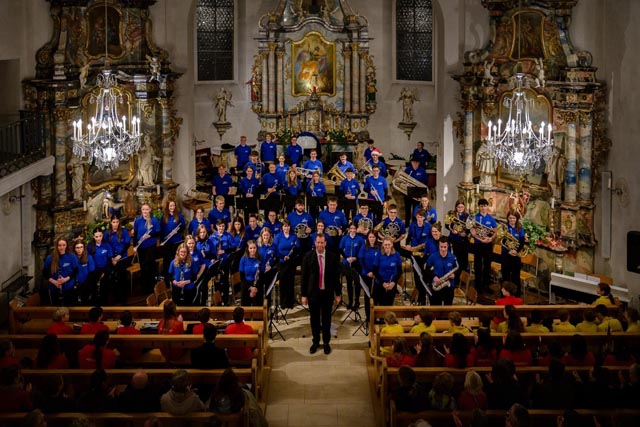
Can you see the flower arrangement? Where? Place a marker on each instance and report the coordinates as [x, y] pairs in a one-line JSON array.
[[338, 137], [92, 228], [283, 136]]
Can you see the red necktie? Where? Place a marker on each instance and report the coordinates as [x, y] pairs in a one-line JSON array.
[[321, 272]]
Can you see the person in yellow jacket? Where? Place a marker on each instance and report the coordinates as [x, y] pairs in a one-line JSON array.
[[564, 326], [604, 295], [536, 326], [455, 321], [633, 318], [391, 327], [606, 322], [424, 323], [588, 325]]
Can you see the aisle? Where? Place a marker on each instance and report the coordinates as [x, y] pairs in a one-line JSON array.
[[319, 390]]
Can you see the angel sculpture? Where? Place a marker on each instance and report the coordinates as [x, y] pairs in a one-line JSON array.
[[223, 99]]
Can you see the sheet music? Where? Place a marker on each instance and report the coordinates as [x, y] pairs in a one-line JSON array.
[[418, 271], [365, 288], [273, 283]]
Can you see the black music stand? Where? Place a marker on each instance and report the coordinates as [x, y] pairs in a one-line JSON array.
[[275, 310]]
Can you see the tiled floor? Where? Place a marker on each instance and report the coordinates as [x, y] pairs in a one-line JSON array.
[[319, 390]]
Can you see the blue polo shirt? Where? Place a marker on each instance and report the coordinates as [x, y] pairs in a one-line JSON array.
[[242, 153]]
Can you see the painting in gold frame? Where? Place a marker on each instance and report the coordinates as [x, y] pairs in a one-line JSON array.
[[313, 61], [96, 32], [539, 111], [528, 35]]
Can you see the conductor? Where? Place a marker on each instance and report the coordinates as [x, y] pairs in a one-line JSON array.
[[320, 288]]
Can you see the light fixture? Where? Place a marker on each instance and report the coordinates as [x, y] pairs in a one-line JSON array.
[[518, 147], [108, 141]]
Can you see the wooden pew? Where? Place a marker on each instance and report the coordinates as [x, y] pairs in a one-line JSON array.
[[162, 376]]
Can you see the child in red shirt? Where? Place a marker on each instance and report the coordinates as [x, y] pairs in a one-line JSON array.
[[95, 324], [97, 355], [59, 326], [203, 316], [239, 327]]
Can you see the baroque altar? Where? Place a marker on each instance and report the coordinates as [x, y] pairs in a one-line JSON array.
[[533, 38]]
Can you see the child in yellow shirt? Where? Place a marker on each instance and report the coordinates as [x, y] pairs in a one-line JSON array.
[[633, 318], [564, 326], [605, 297], [607, 323], [536, 326], [392, 327], [588, 325], [455, 320], [424, 321]]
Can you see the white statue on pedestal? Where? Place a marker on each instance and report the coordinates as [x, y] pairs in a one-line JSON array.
[[487, 164], [148, 160]]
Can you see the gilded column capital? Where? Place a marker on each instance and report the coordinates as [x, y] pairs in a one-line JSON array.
[[272, 47], [280, 53], [62, 114], [347, 53], [565, 116]]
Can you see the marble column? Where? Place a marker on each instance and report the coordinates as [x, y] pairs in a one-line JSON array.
[[584, 161], [347, 80], [355, 83], [61, 117], [280, 81], [272, 78], [468, 148], [363, 81], [570, 173], [167, 141], [265, 80]]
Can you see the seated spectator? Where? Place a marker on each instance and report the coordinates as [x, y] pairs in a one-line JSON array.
[[97, 355], [620, 356], [630, 391], [410, 396], [483, 353], [605, 322], [139, 396], [554, 392], [455, 324], [517, 416], [564, 326], [426, 355], [588, 325], [536, 326], [152, 422], [633, 320], [59, 325], [579, 355], [401, 354], [101, 395], [128, 351], [171, 324], [50, 356], [181, 400], [508, 291], [604, 296], [203, 317], [391, 327], [208, 355], [512, 322], [227, 397], [502, 388], [547, 353], [14, 393], [126, 326], [239, 327], [514, 350], [594, 389], [34, 418], [472, 397], [8, 354], [456, 355], [424, 322], [95, 324], [50, 396], [440, 397]]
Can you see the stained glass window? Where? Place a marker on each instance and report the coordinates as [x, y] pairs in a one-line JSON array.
[[214, 44], [414, 37]]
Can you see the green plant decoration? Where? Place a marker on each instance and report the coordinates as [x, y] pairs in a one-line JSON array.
[[283, 136], [537, 234], [91, 228]]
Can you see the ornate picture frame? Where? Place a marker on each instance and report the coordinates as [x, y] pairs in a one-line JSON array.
[[528, 35], [96, 31], [313, 65]]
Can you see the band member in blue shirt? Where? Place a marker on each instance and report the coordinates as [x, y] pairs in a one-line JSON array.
[[221, 243], [334, 219], [292, 190], [368, 150], [416, 172], [146, 230], [203, 244], [376, 161], [221, 183], [271, 185], [199, 219], [510, 260], [388, 274], [199, 270], [442, 266], [119, 239], [242, 153], [250, 271], [350, 246], [60, 270], [393, 224], [102, 253], [321, 229], [349, 189], [302, 224], [417, 237], [286, 244], [282, 168], [459, 239], [317, 192], [431, 245], [369, 258], [313, 163], [272, 223], [430, 214], [294, 152], [182, 277], [377, 188], [344, 164], [252, 230], [248, 191], [268, 258], [423, 156], [483, 232], [268, 149], [84, 288], [173, 227], [255, 164], [364, 227]]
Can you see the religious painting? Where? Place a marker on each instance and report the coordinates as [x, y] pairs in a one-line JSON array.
[[314, 66], [528, 35], [539, 111], [104, 32]]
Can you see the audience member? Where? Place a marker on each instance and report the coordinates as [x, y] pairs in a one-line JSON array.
[[401, 354], [50, 356], [424, 322], [50, 396], [239, 327], [502, 388], [34, 418], [514, 350], [630, 390], [472, 397], [426, 354], [483, 353], [127, 326], [203, 317], [14, 393], [59, 325], [536, 326], [456, 355], [564, 326], [606, 323], [517, 416], [455, 324], [181, 400], [208, 355], [588, 325], [512, 321], [554, 392], [410, 395], [97, 355], [100, 397], [171, 324], [95, 324], [440, 397], [633, 320], [579, 355], [8, 354], [604, 296], [391, 327], [227, 397], [508, 291], [139, 396]]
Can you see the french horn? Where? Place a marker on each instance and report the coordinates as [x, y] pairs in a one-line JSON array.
[[332, 230], [365, 225], [508, 241], [301, 231], [392, 230], [401, 181]]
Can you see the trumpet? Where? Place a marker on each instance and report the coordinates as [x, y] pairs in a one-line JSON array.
[[509, 242], [482, 231], [336, 175], [454, 223]]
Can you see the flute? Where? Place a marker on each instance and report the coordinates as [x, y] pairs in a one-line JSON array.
[[170, 235]]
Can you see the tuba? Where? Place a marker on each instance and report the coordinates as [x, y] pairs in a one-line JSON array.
[[508, 241], [336, 175], [454, 223], [481, 230], [301, 231], [401, 181]]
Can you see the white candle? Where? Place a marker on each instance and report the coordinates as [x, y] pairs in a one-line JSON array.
[[553, 202], [477, 188], [158, 189]]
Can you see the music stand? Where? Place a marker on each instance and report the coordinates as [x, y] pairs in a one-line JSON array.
[[275, 309], [364, 325]]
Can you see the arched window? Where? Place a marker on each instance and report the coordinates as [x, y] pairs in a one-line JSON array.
[[414, 40], [214, 40]]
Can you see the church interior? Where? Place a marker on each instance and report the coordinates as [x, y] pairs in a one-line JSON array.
[[512, 109]]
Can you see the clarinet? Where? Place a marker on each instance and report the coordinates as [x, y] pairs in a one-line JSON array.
[[60, 296], [182, 279]]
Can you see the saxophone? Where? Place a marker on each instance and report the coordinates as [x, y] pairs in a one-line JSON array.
[[444, 280]]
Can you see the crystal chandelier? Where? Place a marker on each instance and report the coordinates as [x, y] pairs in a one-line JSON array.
[[518, 147], [107, 141]]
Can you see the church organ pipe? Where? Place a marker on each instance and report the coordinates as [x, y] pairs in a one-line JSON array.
[[280, 81], [272, 79], [584, 162], [347, 80], [355, 83], [363, 82], [570, 173]]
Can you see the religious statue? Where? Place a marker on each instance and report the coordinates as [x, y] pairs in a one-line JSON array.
[[518, 201], [154, 68], [408, 97], [148, 160], [84, 73], [75, 168], [488, 78], [486, 163], [540, 68], [223, 99]]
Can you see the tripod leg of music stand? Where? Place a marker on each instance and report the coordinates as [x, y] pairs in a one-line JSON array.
[[364, 328], [283, 314], [273, 326]]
